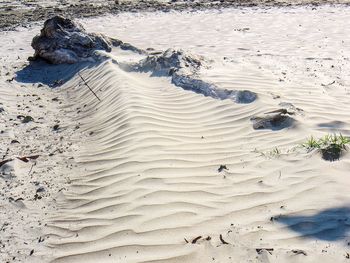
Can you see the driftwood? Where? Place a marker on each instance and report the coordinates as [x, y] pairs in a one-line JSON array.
[[64, 41], [274, 120]]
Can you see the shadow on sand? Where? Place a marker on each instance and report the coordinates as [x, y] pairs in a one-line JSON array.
[[330, 225], [48, 74]]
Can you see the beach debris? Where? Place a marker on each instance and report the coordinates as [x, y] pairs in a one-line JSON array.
[[331, 152], [222, 167], [291, 109], [25, 119], [88, 86], [299, 252], [244, 29], [280, 111], [169, 62], [274, 120], [57, 83], [37, 197], [194, 241], [64, 41], [277, 119], [17, 202], [27, 158], [184, 68], [223, 241], [4, 225], [40, 189], [329, 84], [260, 250]]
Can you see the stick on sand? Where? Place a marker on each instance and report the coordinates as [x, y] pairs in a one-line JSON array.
[[89, 87]]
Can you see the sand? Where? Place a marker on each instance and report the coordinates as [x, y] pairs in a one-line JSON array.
[[156, 173], [17, 12]]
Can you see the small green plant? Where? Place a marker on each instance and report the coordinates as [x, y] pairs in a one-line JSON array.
[[274, 153], [331, 145], [311, 144]]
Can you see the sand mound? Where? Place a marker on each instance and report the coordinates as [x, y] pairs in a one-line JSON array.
[[169, 177], [184, 69]]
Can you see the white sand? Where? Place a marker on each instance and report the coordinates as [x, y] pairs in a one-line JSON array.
[[147, 155]]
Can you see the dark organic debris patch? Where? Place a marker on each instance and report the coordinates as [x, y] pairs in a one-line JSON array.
[[331, 146], [273, 120]]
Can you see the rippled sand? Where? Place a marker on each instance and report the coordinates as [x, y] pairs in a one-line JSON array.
[[168, 175]]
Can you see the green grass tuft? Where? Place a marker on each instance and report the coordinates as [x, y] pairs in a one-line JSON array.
[[331, 145]]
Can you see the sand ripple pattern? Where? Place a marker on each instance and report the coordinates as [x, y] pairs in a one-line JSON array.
[[149, 177]]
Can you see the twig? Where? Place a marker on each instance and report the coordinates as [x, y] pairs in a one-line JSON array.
[[89, 87], [328, 83], [223, 241], [31, 168], [194, 241]]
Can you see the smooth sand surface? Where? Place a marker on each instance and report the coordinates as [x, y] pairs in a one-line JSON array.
[[145, 183]]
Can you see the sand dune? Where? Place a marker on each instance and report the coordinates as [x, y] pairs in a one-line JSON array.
[[166, 174], [152, 179]]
